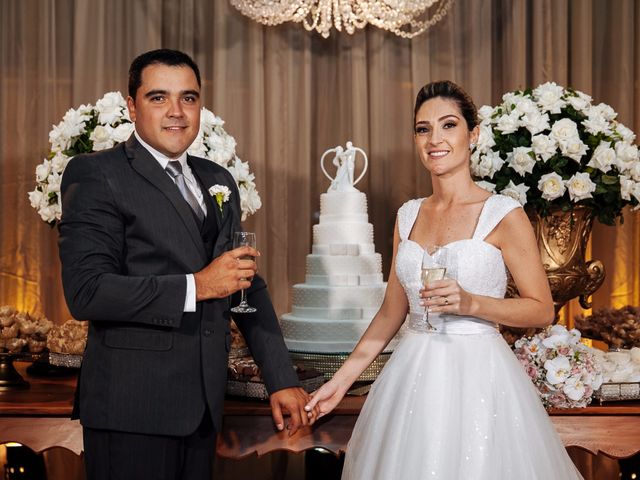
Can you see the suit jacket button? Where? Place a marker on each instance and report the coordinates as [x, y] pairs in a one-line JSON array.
[[207, 332]]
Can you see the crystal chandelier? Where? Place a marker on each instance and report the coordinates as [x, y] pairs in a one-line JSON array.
[[405, 18]]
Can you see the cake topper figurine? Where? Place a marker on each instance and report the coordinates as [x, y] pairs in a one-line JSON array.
[[345, 163]]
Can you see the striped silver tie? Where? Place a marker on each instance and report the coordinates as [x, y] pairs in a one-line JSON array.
[[174, 168]]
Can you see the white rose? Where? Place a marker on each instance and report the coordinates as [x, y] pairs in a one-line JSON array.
[[603, 158], [240, 171], [53, 183], [59, 162], [222, 148], [102, 138], [57, 138], [508, 123], [626, 187], [496, 161], [595, 123], [580, 187], [521, 160], [110, 108], [485, 138], [552, 186], [511, 99], [549, 97], [85, 110], [122, 132], [73, 122], [574, 149], [543, 146], [485, 113], [626, 134], [43, 170], [50, 213], [198, 148], [580, 102], [481, 165], [526, 106], [36, 198], [517, 192], [605, 111], [564, 130], [536, 122], [488, 186], [626, 156], [250, 201]]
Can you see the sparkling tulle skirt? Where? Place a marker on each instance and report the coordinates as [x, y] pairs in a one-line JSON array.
[[452, 407]]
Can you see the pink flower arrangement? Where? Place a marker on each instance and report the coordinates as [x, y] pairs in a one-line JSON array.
[[564, 370]]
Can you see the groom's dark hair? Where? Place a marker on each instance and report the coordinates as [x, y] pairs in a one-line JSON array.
[[163, 56]]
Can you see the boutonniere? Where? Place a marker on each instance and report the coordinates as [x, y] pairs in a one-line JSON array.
[[221, 193]]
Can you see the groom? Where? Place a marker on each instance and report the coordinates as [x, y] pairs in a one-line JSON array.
[[147, 260]]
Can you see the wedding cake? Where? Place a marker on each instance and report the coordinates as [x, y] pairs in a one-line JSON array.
[[343, 287]]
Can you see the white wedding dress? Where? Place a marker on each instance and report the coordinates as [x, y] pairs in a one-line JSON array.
[[455, 403]]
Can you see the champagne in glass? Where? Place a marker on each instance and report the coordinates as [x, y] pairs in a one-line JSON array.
[[434, 268], [242, 239]]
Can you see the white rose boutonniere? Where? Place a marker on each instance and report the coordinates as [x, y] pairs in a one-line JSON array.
[[221, 193]]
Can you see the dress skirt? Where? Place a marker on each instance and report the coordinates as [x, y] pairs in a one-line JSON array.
[[454, 406]]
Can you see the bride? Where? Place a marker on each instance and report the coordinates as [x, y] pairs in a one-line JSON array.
[[453, 402]]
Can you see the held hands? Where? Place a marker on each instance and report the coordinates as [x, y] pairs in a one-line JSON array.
[[291, 400], [446, 296], [326, 398], [227, 274]]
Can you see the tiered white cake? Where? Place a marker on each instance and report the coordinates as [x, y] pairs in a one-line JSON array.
[[343, 288]]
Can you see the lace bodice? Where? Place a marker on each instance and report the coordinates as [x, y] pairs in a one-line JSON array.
[[477, 265]]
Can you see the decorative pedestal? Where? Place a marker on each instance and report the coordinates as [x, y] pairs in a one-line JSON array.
[[329, 363]]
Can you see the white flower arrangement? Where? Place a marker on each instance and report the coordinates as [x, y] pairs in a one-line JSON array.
[[93, 128], [564, 370], [552, 146]]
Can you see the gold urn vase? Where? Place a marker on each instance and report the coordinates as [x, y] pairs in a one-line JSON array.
[[562, 241]]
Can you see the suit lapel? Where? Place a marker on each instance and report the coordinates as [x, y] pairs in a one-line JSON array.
[[147, 166], [208, 178]]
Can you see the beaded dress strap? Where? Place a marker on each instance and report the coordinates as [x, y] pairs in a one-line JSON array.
[[407, 215], [494, 210]]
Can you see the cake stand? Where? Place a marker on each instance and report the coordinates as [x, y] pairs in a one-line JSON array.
[[329, 363]]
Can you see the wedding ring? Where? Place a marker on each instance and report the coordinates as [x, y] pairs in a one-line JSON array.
[[446, 301]]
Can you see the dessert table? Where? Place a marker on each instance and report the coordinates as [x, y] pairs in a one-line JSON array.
[[38, 417]]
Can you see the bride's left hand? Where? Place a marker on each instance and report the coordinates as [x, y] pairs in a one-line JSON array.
[[446, 296]]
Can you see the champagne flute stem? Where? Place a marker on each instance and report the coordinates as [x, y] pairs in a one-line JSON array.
[[243, 300]]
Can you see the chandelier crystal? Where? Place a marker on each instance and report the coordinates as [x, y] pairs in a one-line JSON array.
[[405, 18]]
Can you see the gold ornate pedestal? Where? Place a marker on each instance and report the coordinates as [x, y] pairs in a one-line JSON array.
[[562, 241]]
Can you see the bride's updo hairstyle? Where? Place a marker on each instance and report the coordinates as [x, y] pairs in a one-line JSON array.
[[450, 91]]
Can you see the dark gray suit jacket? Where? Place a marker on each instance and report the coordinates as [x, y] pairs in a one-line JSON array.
[[127, 239]]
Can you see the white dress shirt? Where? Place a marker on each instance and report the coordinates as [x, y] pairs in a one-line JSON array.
[[192, 184]]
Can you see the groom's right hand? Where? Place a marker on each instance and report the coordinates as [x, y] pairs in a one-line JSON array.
[[225, 275]]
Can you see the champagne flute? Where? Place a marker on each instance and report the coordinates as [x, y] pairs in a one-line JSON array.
[[242, 239], [434, 268]]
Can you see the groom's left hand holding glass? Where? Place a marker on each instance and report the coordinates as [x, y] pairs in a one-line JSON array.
[[227, 274]]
